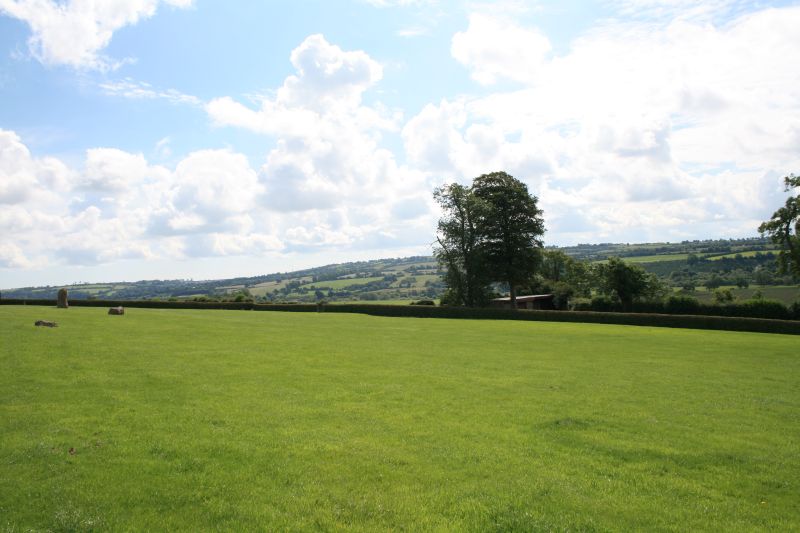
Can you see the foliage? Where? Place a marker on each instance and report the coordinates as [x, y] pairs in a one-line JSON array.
[[714, 282], [604, 303], [784, 229], [678, 304], [556, 265], [627, 282], [460, 248], [512, 226], [723, 296]]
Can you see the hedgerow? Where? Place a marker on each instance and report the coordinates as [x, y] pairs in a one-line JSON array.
[[695, 321]]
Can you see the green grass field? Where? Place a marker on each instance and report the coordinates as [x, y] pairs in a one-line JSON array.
[[185, 420], [655, 258], [341, 283], [396, 301], [787, 294], [749, 253]]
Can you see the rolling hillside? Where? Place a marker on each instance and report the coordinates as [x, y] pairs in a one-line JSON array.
[[747, 262]]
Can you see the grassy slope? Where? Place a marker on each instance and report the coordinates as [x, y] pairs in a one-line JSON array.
[[182, 420], [787, 294], [341, 283], [751, 253], [656, 258], [400, 301]]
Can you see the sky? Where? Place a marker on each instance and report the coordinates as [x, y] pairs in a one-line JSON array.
[[198, 139]]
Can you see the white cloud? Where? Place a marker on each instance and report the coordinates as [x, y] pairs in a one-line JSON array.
[[328, 152], [75, 32], [11, 256], [109, 210], [119, 206], [138, 90], [327, 75], [215, 183], [412, 31], [398, 3], [641, 130], [23, 178], [109, 170], [495, 49]]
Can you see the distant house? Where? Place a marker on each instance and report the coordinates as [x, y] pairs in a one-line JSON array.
[[535, 301]]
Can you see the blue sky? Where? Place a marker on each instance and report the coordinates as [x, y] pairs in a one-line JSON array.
[[199, 139]]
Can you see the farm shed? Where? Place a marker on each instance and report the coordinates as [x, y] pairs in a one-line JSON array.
[[534, 301]]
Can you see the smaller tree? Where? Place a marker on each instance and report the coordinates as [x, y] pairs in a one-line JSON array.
[[555, 265], [459, 250], [714, 282], [627, 282], [723, 296], [784, 230]]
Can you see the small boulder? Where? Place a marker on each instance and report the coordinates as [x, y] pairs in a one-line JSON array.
[[45, 323], [119, 310], [62, 302]]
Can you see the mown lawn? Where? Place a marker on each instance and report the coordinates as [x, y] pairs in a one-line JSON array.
[[183, 420]]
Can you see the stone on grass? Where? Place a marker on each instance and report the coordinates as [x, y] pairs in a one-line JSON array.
[[45, 323], [119, 310], [62, 299]]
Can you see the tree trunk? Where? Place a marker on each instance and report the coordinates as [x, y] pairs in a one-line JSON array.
[[513, 293]]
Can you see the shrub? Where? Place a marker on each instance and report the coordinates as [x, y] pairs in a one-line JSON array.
[[723, 296], [605, 303], [423, 302], [737, 318], [682, 305], [762, 308]]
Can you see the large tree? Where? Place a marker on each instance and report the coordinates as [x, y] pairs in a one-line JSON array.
[[512, 227], [784, 229], [460, 250]]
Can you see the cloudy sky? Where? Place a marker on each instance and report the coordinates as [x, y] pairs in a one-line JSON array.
[[206, 139]]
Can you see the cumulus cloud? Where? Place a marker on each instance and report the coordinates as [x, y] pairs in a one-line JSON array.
[[495, 49], [328, 149], [117, 206], [75, 32], [326, 182], [667, 125], [120, 206]]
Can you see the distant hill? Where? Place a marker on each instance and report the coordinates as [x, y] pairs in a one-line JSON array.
[[410, 278], [382, 279]]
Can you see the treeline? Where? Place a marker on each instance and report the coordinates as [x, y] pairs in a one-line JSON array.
[[706, 247], [489, 242]]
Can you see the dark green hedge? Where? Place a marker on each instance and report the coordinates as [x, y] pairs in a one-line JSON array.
[[685, 305], [422, 311], [633, 319], [152, 304]]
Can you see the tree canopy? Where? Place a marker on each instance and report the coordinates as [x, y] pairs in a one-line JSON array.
[[459, 248], [490, 232], [627, 282], [512, 227], [784, 229]]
